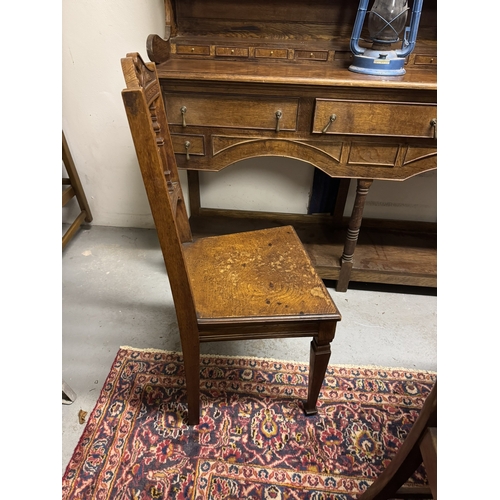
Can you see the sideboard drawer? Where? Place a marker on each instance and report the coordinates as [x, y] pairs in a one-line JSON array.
[[192, 144], [398, 119], [232, 112]]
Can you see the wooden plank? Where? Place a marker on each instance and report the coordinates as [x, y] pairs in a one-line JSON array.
[[69, 164], [198, 16], [73, 228], [310, 74], [67, 194]]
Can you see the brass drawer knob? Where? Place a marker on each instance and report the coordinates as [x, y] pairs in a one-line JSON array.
[[434, 124], [330, 121], [279, 114], [183, 114], [187, 145]]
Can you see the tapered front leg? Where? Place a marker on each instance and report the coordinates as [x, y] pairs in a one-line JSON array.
[[318, 363]]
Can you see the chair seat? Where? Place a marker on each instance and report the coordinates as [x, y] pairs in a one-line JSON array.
[[256, 275]]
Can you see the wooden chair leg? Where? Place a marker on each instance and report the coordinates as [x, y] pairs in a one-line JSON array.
[[318, 363], [191, 354], [75, 189], [346, 260], [68, 394]]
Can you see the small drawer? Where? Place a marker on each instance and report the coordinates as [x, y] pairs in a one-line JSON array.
[[231, 51], [194, 50], [420, 59], [374, 118], [312, 55], [239, 112], [185, 143], [271, 53]]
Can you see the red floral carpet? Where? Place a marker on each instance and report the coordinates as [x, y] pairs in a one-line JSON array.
[[253, 441]]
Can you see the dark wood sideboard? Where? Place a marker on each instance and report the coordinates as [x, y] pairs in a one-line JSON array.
[[270, 77]]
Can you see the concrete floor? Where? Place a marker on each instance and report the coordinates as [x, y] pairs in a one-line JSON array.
[[116, 293]]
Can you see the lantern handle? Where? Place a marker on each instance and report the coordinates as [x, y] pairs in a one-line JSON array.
[[358, 26], [409, 43]]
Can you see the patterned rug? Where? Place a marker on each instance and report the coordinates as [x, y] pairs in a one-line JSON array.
[[253, 441]]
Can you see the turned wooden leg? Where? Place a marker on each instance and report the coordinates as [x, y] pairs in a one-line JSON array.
[[352, 234], [191, 354], [318, 363]]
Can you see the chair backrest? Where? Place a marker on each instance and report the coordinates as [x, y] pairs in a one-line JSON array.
[[147, 118]]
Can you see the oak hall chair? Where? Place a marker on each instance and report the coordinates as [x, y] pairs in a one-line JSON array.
[[420, 446], [251, 285]]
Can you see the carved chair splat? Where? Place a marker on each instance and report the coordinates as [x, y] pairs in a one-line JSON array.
[[251, 285]]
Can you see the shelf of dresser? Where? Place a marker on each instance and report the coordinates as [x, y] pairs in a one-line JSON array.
[[387, 251], [310, 74]]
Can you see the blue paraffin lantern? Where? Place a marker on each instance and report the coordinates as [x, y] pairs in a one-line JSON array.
[[386, 21]]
